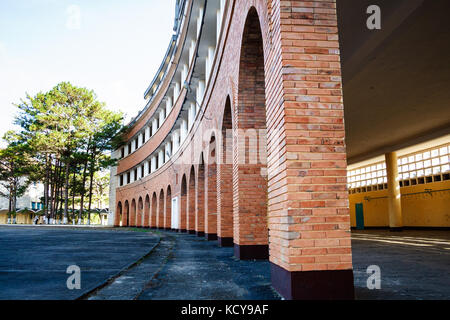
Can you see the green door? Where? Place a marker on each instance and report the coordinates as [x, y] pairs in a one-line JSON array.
[[359, 216]]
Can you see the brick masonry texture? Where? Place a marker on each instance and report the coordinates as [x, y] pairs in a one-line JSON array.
[[277, 70]]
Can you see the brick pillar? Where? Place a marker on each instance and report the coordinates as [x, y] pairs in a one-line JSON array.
[[191, 203], [200, 202], [154, 211], [118, 214], [133, 214], [147, 212], [161, 210], [211, 203], [250, 149], [168, 218], [183, 206], [309, 222], [225, 181], [125, 215], [139, 213]]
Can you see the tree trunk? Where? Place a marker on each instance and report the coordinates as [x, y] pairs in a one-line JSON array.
[[46, 188], [66, 192], [91, 184]]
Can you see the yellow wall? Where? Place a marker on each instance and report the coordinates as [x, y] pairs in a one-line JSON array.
[[21, 218], [421, 210]]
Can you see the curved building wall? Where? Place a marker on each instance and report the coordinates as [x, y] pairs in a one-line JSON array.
[[244, 142]]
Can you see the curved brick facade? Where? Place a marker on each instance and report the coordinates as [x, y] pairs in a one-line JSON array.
[[263, 167]]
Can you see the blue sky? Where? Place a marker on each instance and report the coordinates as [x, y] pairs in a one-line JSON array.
[[111, 46]]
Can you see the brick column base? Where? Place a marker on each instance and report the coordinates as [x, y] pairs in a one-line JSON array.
[[211, 236], [313, 285], [253, 252], [225, 242]]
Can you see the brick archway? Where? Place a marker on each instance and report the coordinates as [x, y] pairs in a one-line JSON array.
[[154, 211], [161, 210], [139, 215], [191, 209], [225, 180], [183, 205], [147, 212], [211, 192], [251, 236], [125, 215], [133, 214], [118, 216], [200, 199], [168, 217]]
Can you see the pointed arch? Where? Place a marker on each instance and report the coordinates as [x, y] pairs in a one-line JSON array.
[[211, 191], [250, 166], [200, 199], [118, 216], [225, 179], [183, 205], [125, 216], [133, 213], [168, 215], [147, 212], [139, 216], [154, 211], [161, 210], [191, 209]]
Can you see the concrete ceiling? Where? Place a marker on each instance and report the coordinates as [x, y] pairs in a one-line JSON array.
[[397, 79]]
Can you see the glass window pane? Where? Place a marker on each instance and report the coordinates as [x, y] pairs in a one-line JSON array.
[[435, 153]]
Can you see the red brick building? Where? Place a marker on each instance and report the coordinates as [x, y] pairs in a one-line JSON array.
[[243, 141]]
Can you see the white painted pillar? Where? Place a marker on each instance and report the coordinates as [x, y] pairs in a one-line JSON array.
[[169, 105], [146, 164], [184, 130], [200, 94], [192, 51], [168, 151], [154, 126], [199, 21], [176, 92], [209, 62], [147, 134], [162, 117], [160, 158], [153, 164], [176, 140], [184, 73]]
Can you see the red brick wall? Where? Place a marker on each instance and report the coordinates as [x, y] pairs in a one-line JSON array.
[[168, 215], [308, 217], [161, 210], [211, 190], [225, 176]]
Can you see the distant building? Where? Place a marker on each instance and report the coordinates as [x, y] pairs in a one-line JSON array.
[[27, 205]]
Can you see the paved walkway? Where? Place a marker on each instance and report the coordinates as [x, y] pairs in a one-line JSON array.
[[33, 261], [173, 266], [414, 264]]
